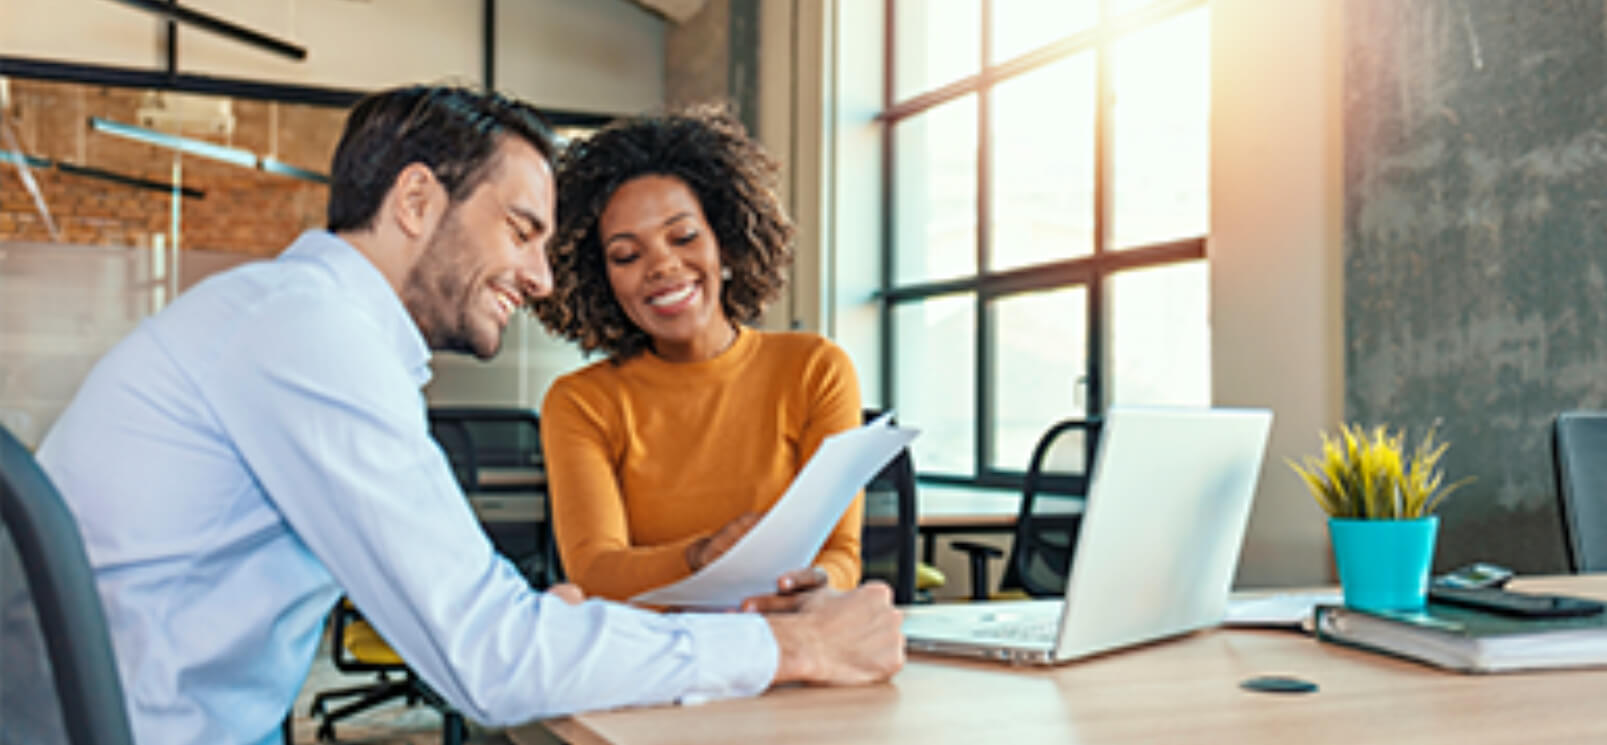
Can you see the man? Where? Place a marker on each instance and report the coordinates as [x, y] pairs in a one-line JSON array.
[[260, 447]]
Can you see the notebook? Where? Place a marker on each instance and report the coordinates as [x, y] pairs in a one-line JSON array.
[[1168, 502], [1470, 640]]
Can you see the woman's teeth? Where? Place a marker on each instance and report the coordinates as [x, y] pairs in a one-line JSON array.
[[672, 297]]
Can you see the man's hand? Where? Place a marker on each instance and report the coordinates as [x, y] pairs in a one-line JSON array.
[[840, 638], [792, 591], [705, 550]]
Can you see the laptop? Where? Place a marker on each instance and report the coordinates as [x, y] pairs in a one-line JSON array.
[[1168, 502]]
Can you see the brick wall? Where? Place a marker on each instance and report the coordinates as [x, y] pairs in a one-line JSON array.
[[243, 211], [62, 307]]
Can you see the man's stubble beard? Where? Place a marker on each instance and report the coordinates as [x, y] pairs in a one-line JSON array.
[[438, 297]]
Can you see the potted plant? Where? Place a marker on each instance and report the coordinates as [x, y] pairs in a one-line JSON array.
[[1380, 506]]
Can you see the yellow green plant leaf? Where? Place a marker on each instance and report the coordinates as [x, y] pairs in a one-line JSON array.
[[1362, 473]]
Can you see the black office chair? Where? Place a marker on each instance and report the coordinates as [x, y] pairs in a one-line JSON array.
[[481, 442], [1044, 540], [1579, 450], [53, 635], [477, 443], [357, 648], [888, 551]]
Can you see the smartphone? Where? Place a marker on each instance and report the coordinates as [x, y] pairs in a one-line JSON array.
[[1477, 574], [1509, 603]]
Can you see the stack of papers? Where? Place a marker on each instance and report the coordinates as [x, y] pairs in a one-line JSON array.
[[793, 530]]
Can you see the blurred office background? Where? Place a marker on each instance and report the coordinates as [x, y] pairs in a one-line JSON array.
[[1010, 211]]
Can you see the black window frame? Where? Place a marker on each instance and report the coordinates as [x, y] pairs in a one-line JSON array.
[[986, 286]]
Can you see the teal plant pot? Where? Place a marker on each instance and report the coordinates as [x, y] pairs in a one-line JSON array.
[[1384, 564]]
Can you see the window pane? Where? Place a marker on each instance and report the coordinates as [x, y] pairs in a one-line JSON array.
[[935, 42], [1043, 165], [1123, 7], [934, 210], [1161, 77], [1020, 26], [1039, 364], [934, 381], [1160, 338]]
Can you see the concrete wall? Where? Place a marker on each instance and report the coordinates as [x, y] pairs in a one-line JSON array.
[[1476, 247], [600, 56], [697, 56]]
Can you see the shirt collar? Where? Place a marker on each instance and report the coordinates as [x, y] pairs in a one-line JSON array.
[[368, 288]]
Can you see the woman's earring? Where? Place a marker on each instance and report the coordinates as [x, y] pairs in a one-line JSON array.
[[725, 273]]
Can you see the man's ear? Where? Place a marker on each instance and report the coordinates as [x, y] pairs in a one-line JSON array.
[[417, 200]]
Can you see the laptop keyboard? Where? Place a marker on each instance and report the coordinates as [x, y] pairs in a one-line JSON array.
[[1026, 630]]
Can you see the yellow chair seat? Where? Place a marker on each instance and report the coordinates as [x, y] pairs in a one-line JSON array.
[[368, 647], [927, 577]]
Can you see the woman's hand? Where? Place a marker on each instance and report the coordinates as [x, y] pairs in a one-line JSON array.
[[792, 590], [707, 549]]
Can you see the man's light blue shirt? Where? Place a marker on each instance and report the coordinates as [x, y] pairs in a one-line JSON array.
[[260, 447]]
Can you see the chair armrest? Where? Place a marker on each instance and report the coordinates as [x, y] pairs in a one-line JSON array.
[[978, 553]]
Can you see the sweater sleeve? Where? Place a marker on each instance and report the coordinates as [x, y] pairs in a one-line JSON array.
[[833, 406], [578, 436]]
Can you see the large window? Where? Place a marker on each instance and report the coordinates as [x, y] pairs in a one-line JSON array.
[[1046, 162]]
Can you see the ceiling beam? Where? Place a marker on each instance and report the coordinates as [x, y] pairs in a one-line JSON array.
[[174, 12]]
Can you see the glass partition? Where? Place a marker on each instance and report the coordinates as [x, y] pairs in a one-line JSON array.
[[61, 307], [104, 166], [114, 200]]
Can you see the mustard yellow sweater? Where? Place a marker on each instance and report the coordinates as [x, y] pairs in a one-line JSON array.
[[645, 457]]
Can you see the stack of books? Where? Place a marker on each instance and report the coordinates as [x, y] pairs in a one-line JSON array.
[[1469, 640]]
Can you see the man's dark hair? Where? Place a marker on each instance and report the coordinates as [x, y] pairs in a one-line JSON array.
[[454, 131]]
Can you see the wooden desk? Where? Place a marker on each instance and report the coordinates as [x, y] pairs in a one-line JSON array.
[[512, 479], [508, 508], [1181, 691], [510, 495]]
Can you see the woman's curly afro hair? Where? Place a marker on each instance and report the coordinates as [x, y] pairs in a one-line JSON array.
[[707, 148]]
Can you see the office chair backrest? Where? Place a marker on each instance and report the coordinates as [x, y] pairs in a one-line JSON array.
[[1040, 556], [897, 477], [53, 596], [489, 437], [477, 440], [457, 441], [1580, 455]]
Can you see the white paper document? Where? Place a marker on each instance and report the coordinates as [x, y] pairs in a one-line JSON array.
[[1290, 610], [791, 533]]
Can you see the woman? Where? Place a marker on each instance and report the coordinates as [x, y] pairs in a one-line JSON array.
[[669, 237]]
